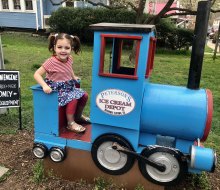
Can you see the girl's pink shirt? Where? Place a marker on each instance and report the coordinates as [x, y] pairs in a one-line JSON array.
[[57, 70]]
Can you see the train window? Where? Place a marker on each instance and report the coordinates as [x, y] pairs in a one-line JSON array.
[[151, 53], [119, 56]]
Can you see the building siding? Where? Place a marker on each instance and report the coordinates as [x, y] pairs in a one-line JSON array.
[[18, 20]]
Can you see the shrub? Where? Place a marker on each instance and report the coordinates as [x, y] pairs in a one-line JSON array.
[[164, 32], [184, 38], [171, 37], [76, 21]]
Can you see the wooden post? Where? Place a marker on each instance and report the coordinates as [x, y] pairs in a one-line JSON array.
[[217, 43], [1, 55], [2, 110], [199, 41]]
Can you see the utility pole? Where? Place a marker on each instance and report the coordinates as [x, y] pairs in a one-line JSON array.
[[2, 66], [1, 55], [217, 43]]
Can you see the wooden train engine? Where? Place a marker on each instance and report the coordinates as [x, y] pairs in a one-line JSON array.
[[131, 118]]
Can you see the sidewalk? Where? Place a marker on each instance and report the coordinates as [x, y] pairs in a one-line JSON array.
[[3, 171], [212, 46]]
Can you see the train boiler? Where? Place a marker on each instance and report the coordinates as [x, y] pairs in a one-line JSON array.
[[158, 125]]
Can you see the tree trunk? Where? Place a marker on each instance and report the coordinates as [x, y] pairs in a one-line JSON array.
[[217, 43], [140, 11]]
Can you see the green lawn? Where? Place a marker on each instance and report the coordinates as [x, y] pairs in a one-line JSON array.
[[25, 53]]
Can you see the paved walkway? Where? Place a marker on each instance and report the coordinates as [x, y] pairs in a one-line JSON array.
[[212, 46], [3, 170]]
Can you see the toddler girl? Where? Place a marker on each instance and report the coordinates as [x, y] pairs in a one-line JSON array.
[[60, 77]]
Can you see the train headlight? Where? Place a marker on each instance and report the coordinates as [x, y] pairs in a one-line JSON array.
[[203, 159]]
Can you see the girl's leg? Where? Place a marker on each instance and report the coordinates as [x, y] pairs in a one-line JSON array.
[[70, 112], [80, 107]]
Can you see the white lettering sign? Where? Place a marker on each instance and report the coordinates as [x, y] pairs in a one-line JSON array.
[[9, 88], [4, 77], [115, 102]]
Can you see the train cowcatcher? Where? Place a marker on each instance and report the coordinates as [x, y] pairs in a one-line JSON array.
[[158, 125]]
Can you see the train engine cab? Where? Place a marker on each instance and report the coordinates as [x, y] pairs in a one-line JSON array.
[[157, 124], [160, 126]]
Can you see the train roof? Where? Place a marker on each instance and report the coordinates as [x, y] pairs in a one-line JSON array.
[[120, 27]]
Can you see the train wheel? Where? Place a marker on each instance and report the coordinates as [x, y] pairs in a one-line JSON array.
[[109, 160], [57, 154], [39, 150], [175, 167]]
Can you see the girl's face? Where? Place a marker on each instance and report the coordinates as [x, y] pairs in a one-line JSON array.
[[62, 49]]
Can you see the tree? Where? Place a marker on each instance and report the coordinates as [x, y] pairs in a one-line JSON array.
[[189, 8]]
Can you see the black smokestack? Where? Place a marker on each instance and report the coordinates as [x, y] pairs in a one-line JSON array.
[[199, 41]]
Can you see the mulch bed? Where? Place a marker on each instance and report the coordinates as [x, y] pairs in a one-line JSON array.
[[16, 154]]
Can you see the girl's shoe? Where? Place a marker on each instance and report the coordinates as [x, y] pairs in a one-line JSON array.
[[83, 119], [74, 127]]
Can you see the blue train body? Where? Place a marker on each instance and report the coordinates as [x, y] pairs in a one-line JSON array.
[[160, 125]]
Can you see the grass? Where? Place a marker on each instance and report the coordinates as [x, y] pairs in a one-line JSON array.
[[208, 49], [102, 183], [26, 53], [38, 172]]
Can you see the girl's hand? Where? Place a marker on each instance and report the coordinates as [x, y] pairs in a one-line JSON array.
[[38, 77], [47, 89], [77, 79]]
